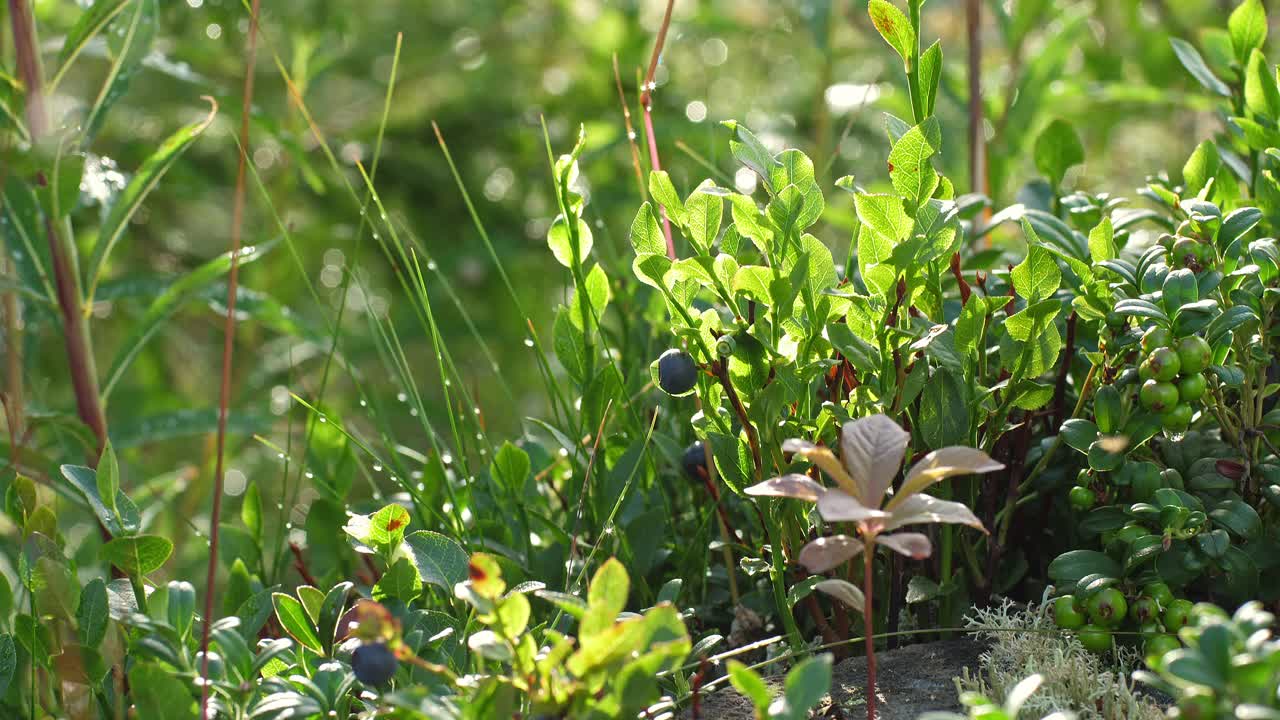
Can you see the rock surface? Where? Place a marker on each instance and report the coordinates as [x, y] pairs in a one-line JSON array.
[[911, 680]]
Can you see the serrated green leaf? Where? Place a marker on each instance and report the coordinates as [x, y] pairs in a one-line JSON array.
[[911, 163], [1201, 167], [808, 682], [108, 476], [885, 215], [893, 26], [1037, 277], [138, 554], [251, 511], [565, 236], [1247, 26], [703, 214], [646, 235], [1261, 96], [400, 582], [8, 662], [748, 682], [159, 694], [1058, 149], [749, 151], [664, 193], [606, 597], [1102, 243], [930, 76], [440, 561], [510, 467], [93, 613]]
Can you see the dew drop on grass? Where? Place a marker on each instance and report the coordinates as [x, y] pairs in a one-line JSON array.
[[447, 459], [528, 342], [309, 475], [377, 467], [413, 412], [364, 404], [279, 506], [422, 487], [402, 397]]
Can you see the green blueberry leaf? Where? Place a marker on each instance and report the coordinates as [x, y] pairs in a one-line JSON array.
[[138, 554], [440, 561], [893, 26], [1057, 150]]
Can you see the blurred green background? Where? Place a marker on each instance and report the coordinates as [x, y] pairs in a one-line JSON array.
[[811, 74]]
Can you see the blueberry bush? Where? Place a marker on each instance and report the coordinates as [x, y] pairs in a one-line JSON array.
[[724, 425]]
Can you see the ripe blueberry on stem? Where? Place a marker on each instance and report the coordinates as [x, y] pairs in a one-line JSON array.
[[374, 664], [677, 373], [694, 462]]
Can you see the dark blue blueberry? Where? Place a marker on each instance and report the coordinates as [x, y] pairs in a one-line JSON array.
[[677, 373], [695, 461], [374, 664]]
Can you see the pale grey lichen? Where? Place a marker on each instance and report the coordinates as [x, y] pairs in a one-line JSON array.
[[1023, 642]]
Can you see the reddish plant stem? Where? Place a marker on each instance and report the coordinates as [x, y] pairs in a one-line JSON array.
[[868, 625], [582, 494], [721, 371], [977, 129], [228, 348], [79, 344], [897, 568], [715, 498], [965, 290], [26, 50], [1015, 458], [1060, 389], [374, 574], [727, 533], [84, 376], [646, 105], [695, 688], [14, 402], [300, 564], [829, 635], [631, 131]]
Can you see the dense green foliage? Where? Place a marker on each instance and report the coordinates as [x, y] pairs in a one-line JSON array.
[[514, 431]]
